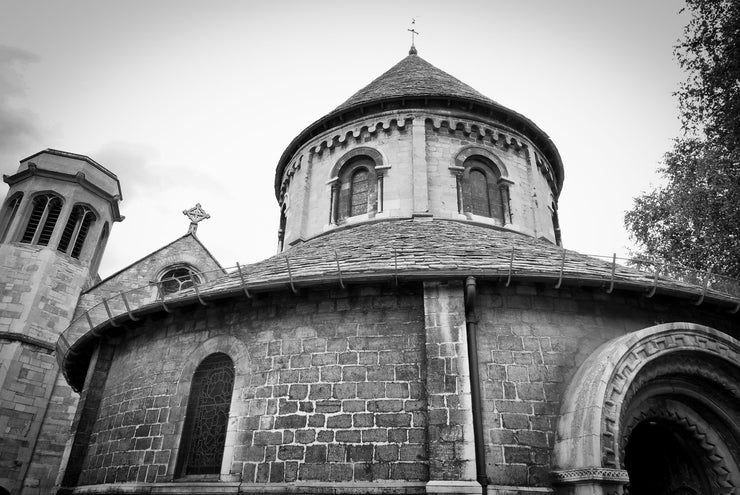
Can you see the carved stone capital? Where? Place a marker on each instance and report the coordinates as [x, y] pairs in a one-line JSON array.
[[590, 474]]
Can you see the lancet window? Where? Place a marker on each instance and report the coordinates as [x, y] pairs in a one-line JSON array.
[[11, 208], [76, 230], [42, 220], [207, 416]]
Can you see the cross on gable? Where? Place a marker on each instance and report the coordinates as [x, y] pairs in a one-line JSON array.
[[195, 214]]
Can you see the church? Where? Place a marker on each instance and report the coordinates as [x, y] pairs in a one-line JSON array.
[[422, 329]]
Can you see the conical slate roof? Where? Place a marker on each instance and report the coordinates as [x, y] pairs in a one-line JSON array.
[[413, 76], [414, 82]]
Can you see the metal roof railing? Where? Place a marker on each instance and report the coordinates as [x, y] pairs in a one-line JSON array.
[[609, 270]]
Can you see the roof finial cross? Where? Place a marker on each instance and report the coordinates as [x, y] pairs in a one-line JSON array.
[[413, 32], [195, 214]]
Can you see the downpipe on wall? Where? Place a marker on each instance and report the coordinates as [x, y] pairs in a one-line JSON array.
[[471, 324]]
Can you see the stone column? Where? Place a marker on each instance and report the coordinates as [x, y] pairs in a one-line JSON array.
[[450, 415]]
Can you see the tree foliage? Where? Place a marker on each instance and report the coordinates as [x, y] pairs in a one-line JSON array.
[[694, 219]]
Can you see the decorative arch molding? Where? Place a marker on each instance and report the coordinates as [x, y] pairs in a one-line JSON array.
[[372, 153], [589, 425], [472, 150], [239, 354], [691, 422]]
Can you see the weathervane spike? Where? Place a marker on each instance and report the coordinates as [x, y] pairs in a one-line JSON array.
[[195, 214], [413, 32]]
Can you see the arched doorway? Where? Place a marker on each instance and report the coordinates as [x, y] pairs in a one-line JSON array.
[[654, 412], [660, 460]]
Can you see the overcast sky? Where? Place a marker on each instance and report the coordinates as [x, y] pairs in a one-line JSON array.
[[195, 101]]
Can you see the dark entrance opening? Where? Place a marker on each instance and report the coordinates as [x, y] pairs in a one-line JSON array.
[[663, 459]]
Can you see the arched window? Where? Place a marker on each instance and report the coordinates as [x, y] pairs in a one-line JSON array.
[[11, 208], [177, 278], [75, 232], [207, 415], [481, 192], [43, 218], [357, 190]]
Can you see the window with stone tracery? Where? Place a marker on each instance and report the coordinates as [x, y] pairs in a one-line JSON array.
[[42, 220], [75, 231], [177, 278], [207, 416]]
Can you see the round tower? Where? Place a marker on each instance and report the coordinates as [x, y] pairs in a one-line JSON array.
[[417, 142], [54, 225]]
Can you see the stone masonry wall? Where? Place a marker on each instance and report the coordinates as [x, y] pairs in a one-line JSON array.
[[333, 390], [531, 340], [39, 290], [309, 194], [37, 298]]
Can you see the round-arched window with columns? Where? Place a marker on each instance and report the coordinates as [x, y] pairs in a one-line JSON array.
[[356, 185]]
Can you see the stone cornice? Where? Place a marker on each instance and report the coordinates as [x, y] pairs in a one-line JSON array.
[[496, 136], [25, 339]]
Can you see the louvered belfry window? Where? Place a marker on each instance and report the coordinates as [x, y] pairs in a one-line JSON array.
[[207, 416], [76, 230], [44, 216], [11, 209]]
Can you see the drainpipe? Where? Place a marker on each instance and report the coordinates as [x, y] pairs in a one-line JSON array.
[[471, 324]]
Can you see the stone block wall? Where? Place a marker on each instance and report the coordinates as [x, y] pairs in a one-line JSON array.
[[39, 290], [531, 341], [28, 374], [309, 193], [334, 390], [446, 137], [38, 295]]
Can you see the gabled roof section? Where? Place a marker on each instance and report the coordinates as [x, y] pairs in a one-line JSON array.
[[187, 250], [413, 76], [164, 252]]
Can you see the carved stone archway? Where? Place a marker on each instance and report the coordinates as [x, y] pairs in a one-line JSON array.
[[687, 373]]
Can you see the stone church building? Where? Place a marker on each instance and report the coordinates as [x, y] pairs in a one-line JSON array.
[[421, 330]]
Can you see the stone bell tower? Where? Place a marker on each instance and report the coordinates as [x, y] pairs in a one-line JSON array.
[[54, 225]]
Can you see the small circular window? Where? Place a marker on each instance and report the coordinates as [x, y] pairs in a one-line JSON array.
[[176, 279]]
